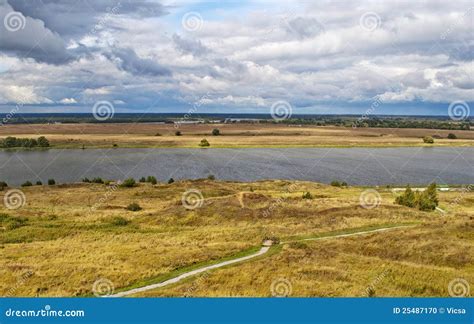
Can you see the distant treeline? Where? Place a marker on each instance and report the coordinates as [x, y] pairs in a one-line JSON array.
[[356, 121], [24, 142]]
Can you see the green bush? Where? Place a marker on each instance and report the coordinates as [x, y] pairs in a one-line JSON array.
[[12, 222], [39, 183], [11, 141], [426, 200], [128, 183], [170, 181], [307, 195], [26, 184], [336, 183], [204, 143], [152, 180], [3, 185], [216, 132], [118, 221], [452, 136], [86, 180], [97, 180], [142, 179], [134, 207], [177, 133], [428, 140], [51, 182], [211, 177], [43, 141]]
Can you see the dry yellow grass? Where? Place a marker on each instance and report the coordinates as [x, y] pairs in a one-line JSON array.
[[233, 135], [67, 246]]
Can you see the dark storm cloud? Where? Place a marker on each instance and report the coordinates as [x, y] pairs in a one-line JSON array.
[[71, 18], [189, 46], [127, 60]]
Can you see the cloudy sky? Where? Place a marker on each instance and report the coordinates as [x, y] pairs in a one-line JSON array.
[[410, 57]]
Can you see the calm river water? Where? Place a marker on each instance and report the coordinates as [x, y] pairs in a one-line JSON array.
[[357, 166]]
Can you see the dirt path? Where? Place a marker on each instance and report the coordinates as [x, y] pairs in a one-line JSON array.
[[262, 251]]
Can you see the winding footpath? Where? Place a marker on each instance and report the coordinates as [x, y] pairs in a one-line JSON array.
[[265, 248]]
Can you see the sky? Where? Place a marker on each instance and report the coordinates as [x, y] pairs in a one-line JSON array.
[[304, 57]]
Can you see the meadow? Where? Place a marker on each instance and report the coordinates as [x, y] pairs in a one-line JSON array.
[[67, 237], [231, 135]]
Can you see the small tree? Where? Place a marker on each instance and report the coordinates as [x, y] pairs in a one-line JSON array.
[[142, 179], [307, 195], [177, 133], [51, 182], [216, 132], [152, 180], [336, 183], [407, 198], [428, 140], [39, 183], [211, 177], [452, 136], [128, 183], [26, 184], [134, 207], [43, 141], [170, 181], [3, 185], [204, 143]]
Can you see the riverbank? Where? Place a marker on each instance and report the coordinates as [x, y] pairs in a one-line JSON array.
[[69, 237], [150, 135]]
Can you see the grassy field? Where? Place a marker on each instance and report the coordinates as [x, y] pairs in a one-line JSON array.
[[232, 135], [67, 237]]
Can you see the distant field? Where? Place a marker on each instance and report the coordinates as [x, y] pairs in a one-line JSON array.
[[67, 237], [232, 135]]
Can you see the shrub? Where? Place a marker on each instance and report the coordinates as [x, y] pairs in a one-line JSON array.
[[211, 177], [157, 134], [142, 179], [204, 143], [152, 180], [97, 180], [26, 184], [407, 198], [170, 181], [86, 180], [177, 133], [115, 145], [3, 185], [307, 195], [118, 221], [343, 184], [134, 207], [428, 140], [452, 136], [216, 132], [39, 183], [51, 182], [336, 183], [43, 141], [425, 201], [128, 183]]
